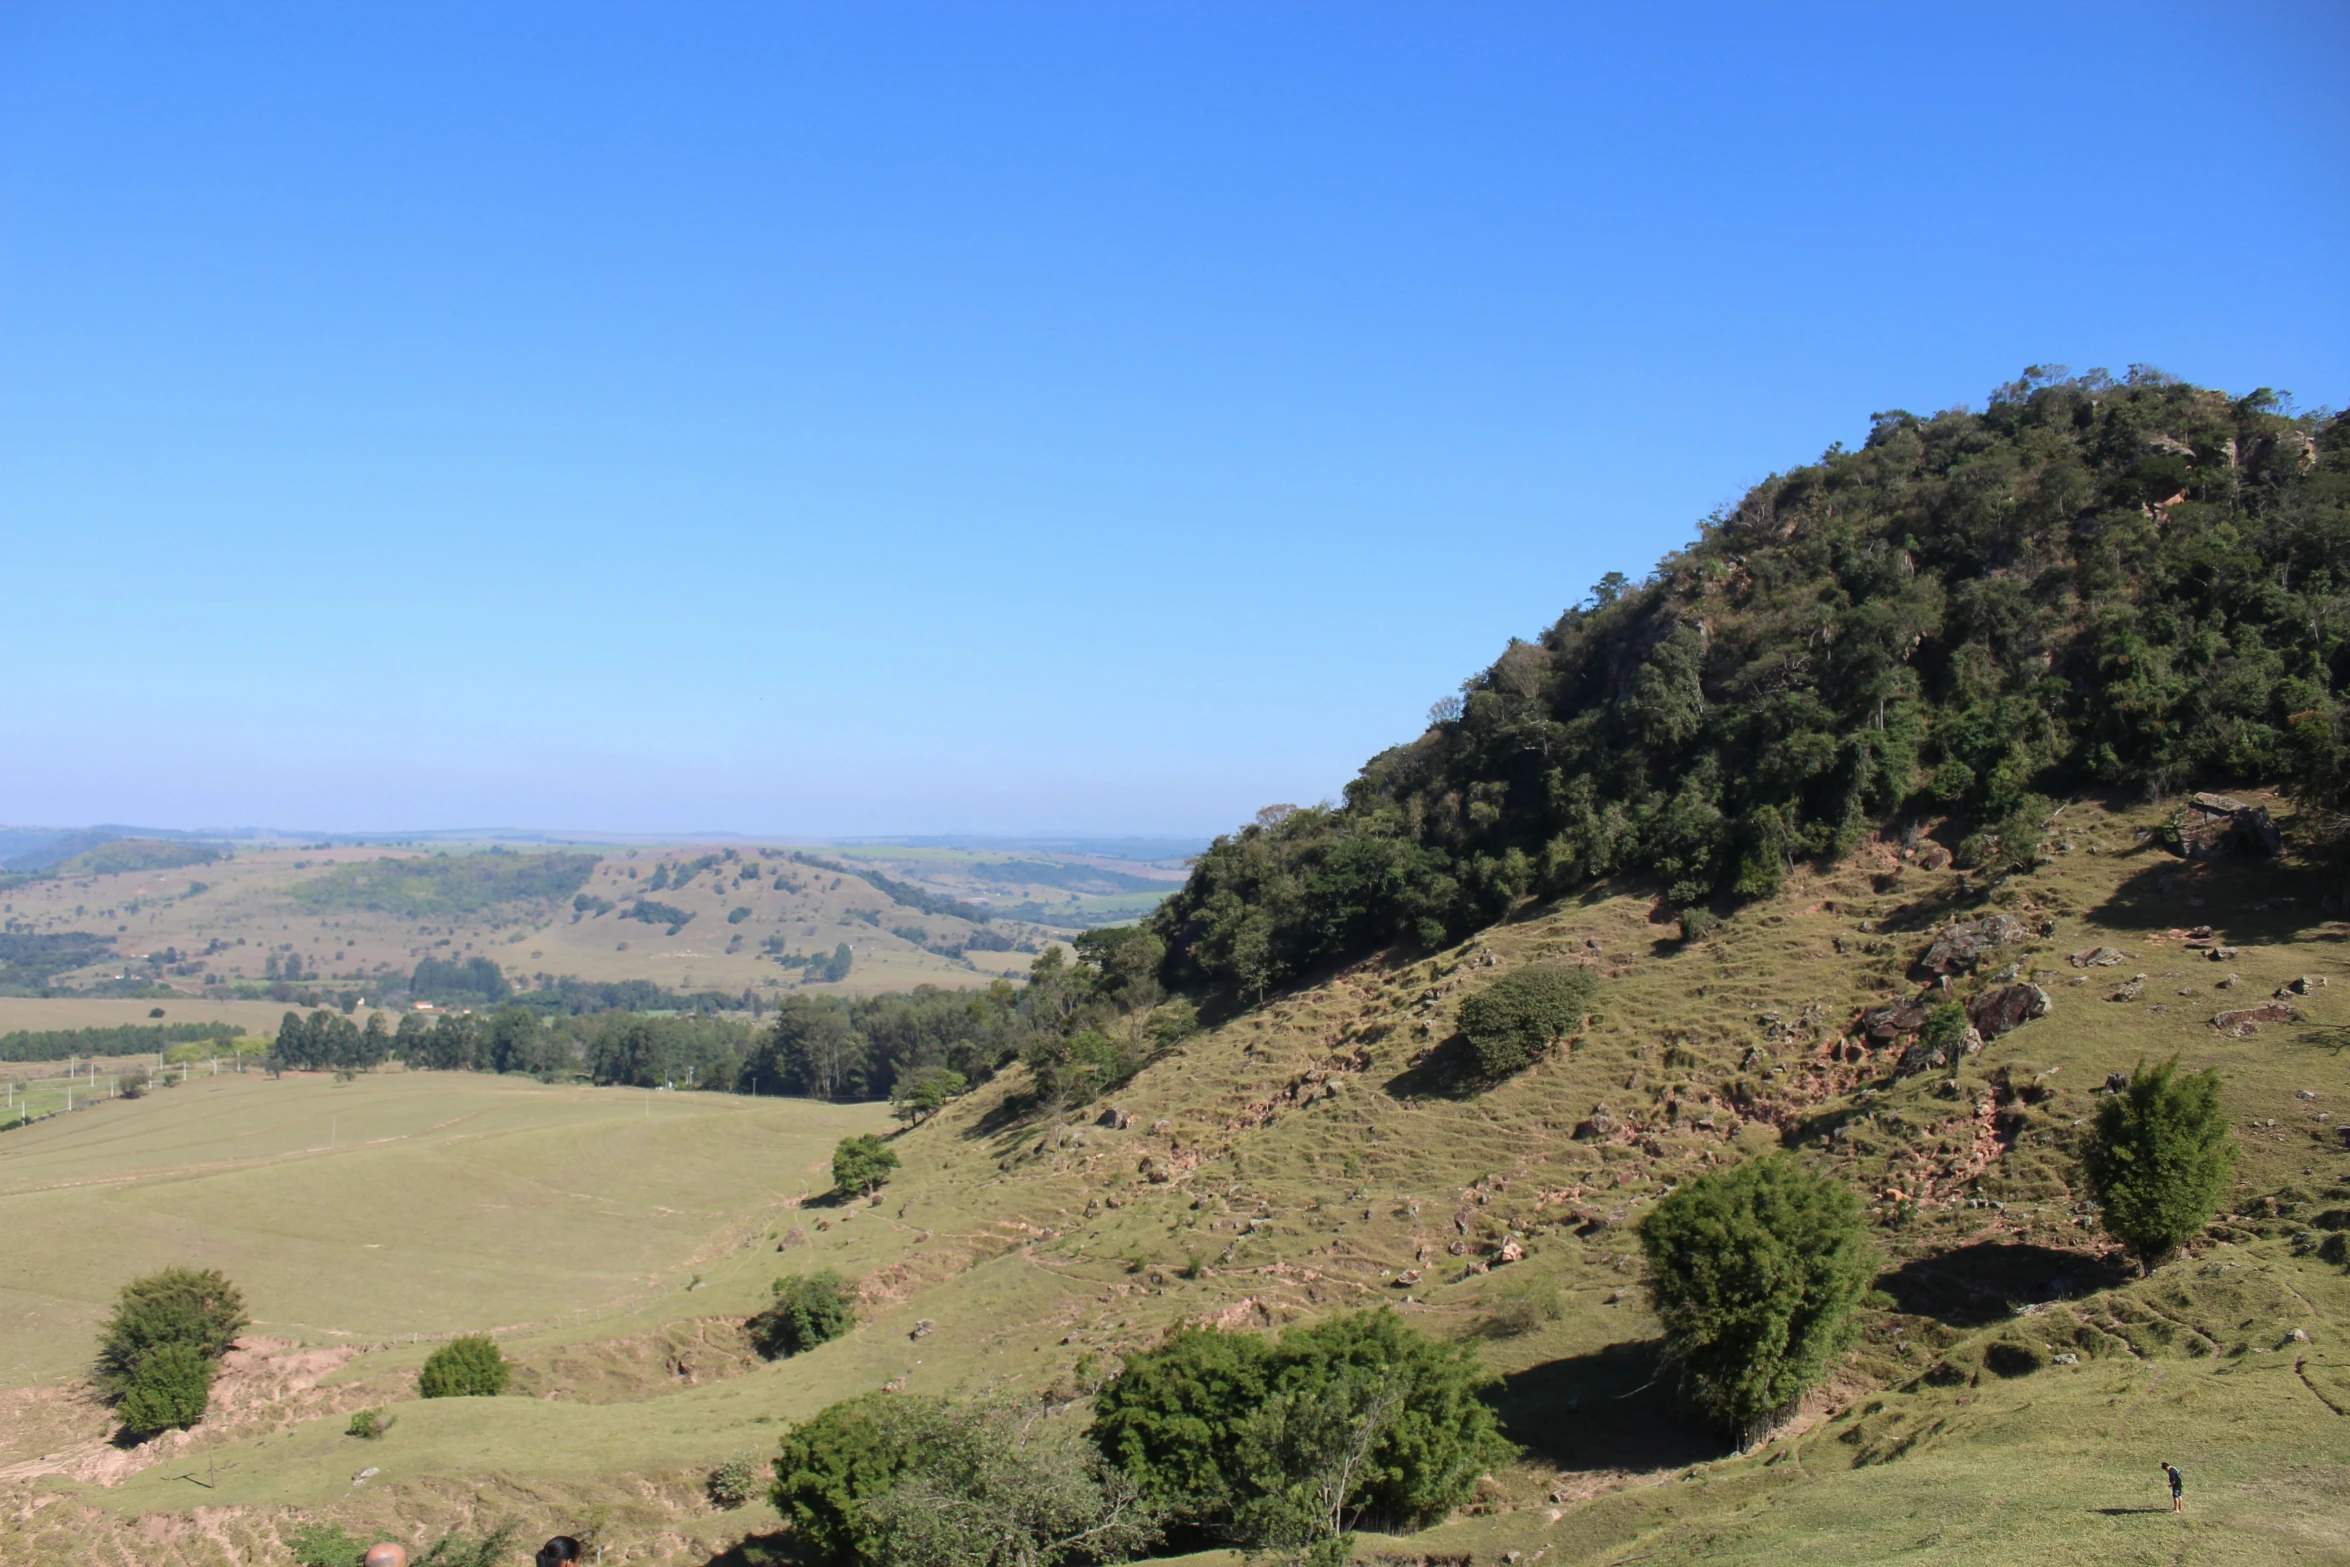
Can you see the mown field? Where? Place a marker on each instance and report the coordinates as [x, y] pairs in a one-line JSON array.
[[1298, 1158]]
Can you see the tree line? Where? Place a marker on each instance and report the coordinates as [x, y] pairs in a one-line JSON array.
[[2128, 585]]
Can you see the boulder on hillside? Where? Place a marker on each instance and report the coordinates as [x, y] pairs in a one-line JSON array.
[[1888, 1023], [1920, 1057], [2007, 1008], [1958, 947], [2098, 957], [1115, 1119], [2213, 826]]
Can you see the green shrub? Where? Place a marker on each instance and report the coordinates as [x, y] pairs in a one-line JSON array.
[[325, 1545], [860, 1164], [1511, 1023], [921, 1094], [167, 1392], [370, 1426], [734, 1483], [1756, 1271], [200, 1310], [810, 1309], [483, 1550], [2160, 1159], [825, 1466], [1245, 1439], [469, 1367]]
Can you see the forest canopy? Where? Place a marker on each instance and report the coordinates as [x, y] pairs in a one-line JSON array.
[[448, 884], [2134, 584]]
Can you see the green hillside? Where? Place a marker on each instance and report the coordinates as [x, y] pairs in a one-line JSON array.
[[1305, 1157], [2136, 585], [445, 885]]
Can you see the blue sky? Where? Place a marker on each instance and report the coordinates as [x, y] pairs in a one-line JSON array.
[[1003, 418]]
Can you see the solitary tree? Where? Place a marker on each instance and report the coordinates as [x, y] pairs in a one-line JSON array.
[[860, 1164], [469, 1367], [810, 1309], [920, 1095], [195, 1308], [1755, 1271], [1511, 1023], [2160, 1159]]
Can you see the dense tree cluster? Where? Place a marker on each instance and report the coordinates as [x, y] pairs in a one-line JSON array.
[[444, 885], [2090, 583], [330, 1042], [809, 1309], [476, 982]]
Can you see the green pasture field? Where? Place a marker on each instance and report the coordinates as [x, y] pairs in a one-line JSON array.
[[401, 1203]]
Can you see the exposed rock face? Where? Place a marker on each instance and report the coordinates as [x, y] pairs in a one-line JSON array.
[[2245, 1021], [1886, 1024], [2213, 826], [2007, 1008], [1958, 948]]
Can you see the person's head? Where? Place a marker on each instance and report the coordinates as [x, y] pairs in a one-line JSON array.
[[385, 1555], [556, 1552]]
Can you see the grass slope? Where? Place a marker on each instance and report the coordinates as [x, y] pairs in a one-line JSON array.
[[1309, 1152]]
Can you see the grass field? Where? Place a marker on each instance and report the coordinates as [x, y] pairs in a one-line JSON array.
[[1303, 1155], [397, 1204]]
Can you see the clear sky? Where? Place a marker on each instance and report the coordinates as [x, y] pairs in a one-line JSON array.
[[1103, 417]]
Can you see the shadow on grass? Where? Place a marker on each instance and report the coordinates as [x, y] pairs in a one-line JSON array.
[[2127, 1512], [2258, 901], [756, 1550], [1447, 1071], [1985, 1282], [1610, 1409]]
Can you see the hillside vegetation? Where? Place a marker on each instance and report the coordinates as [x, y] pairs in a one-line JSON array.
[[444, 885], [2138, 585]]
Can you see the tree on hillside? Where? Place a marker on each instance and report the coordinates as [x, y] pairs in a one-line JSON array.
[[1511, 1022], [809, 1309], [197, 1308], [1357, 1420], [922, 1093], [2160, 1159], [991, 1483], [468, 1367], [158, 1352], [1755, 1272], [861, 1164]]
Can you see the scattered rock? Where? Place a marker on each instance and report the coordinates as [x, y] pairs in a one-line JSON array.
[[1512, 1250], [2098, 957], [2117, 1082], [1115, 1119], [2006, 1009], [1161, 1126], [2243, 1022], [2304, 1094], [2064, 1358], [1407, 1278], [1599, 1124], [922, 1329], [2300, 985], [2229, 983], [2130, 991], [2223, 954], [1960, 946], [1933, 856]]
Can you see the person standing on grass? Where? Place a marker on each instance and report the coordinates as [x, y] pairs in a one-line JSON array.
[[2178, 1488]]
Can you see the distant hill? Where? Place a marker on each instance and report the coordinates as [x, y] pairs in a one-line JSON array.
[[98, 851], [2135, 585]]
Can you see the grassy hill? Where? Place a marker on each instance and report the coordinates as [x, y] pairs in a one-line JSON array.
[[1299, 1157]]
